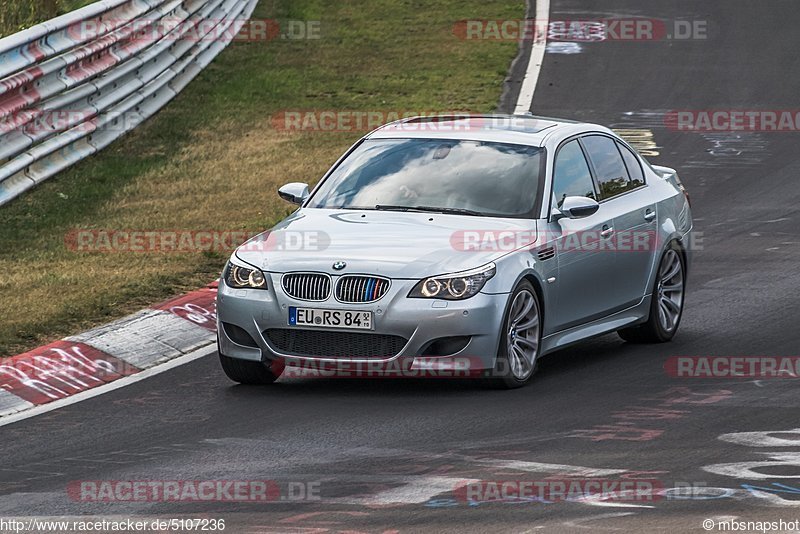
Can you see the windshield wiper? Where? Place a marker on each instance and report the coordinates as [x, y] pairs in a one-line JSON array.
[[434, 209]]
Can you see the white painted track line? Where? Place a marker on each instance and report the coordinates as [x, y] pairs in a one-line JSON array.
[[111, 386], [542, 18]]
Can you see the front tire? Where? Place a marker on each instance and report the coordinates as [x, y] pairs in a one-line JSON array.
[[666, 307], [520, 338], [249, 372]]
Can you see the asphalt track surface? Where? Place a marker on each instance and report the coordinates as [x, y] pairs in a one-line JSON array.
[[388, 453]]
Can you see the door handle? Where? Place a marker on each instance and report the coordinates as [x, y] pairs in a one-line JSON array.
[[649, 215], [606, 232]]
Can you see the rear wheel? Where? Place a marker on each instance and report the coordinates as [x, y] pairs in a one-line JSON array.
[[666, 307], [520, 338], [249, 372]]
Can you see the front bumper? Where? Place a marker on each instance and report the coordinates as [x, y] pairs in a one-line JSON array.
[[419, 321]]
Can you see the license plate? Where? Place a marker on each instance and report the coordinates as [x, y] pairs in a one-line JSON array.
[[352, 319]]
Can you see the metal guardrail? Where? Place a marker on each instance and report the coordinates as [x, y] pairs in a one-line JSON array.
[[72, 85]]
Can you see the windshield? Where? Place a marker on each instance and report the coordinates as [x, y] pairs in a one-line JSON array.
[[455, 176]]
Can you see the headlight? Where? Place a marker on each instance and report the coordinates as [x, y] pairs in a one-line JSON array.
[[455, 286], [243, 278]]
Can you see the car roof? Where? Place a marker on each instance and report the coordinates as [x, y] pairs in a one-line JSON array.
[[519, 129]]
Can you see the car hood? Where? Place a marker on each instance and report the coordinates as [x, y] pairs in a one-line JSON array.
[[392, 244]]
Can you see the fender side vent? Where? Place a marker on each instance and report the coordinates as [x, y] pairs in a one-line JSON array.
[[546, 253]]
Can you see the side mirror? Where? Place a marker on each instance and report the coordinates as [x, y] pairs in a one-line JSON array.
[[295, 192], [576, 208]]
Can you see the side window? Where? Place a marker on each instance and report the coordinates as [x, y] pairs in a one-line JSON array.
[[571, 175], [612, 176], [634, 167]]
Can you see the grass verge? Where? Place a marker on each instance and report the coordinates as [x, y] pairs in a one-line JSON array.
[[212, 160], [16, 15]]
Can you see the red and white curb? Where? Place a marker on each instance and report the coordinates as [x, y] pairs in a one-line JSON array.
[[130, 348]]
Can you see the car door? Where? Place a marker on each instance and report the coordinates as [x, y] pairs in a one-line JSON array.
[[585, 265], [623, 192]]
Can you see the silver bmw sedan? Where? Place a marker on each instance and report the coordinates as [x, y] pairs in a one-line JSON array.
[[470, 243]]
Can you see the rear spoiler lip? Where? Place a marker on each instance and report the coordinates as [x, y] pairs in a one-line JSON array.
[[664, 172], [671, 175]]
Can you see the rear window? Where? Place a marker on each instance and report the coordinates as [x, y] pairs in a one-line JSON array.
[[612, 174], [635, 172]]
